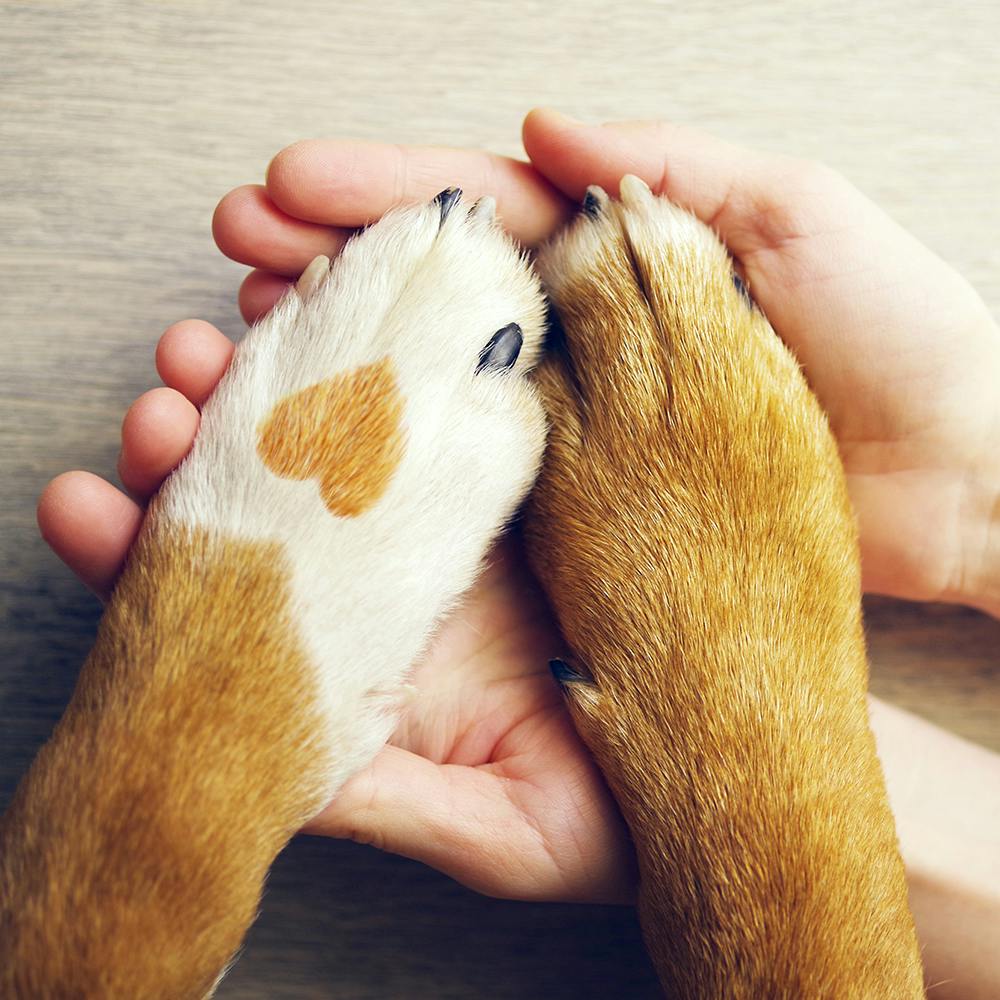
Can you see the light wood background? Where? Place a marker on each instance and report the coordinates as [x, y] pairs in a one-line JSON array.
[[123, 123]]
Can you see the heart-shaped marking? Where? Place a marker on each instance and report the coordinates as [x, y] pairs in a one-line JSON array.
[[345, 432]]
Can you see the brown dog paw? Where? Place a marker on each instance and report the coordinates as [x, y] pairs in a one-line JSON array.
[[693, 530]]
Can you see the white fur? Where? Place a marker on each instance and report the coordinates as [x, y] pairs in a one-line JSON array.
[[367, 590]]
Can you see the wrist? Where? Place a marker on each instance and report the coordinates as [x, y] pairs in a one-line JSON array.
[[945, 796]]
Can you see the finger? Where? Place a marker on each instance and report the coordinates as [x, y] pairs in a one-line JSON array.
[[259, 293], [90, 525], [157, 433], [754, 200], [444, 815], [249, 228], [348, 183], [191, 357]]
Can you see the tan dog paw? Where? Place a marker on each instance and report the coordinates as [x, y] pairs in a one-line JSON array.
[[692, 528]]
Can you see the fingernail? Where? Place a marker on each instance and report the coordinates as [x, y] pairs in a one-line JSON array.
[[564, 118]]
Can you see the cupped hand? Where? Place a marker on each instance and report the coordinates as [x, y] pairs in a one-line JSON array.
[[902, 353], [485, 778]]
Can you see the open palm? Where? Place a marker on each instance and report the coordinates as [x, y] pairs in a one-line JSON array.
[[485, 778]]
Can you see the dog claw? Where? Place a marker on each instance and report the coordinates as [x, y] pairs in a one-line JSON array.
[[740, 285], [633, 189], [594, 200], [565, 674], [311, 277], [501, 350], [485, 208], [447, 200]]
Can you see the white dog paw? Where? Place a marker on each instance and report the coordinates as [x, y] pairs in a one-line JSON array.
[[377, 430]]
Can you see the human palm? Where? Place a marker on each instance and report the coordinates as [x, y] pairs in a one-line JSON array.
[[905, 359], [485, 778]]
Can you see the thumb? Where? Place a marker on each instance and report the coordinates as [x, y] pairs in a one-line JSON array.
[[754, 200], [457, 819]]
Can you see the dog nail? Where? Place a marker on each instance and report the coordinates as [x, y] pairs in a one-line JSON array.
[[501, 349], [594, 200], [740, 285], [632, 189], [565, 674], [447, 199], [311, 277], [485, 208]]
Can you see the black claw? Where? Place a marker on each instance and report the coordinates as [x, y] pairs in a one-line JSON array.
[[501, 350], [740, 285], [555, 334], [591, 204], [556, 343], [565, 674], [447, 199]]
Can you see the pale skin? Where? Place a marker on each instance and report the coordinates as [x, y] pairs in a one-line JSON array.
[[485, 778]]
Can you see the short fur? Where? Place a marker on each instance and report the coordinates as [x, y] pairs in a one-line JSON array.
[[693, 531], [350, 471], [691, 525]]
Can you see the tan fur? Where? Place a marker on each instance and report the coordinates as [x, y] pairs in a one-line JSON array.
[[693, 531], [345, 432], [140, 838]]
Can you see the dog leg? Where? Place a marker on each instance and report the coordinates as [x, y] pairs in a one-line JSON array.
[[368, 442], [693, 530]]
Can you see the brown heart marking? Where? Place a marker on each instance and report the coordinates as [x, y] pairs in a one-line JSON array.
[[345, 432]]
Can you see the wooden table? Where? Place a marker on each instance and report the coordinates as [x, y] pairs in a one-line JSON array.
[[123, 123]]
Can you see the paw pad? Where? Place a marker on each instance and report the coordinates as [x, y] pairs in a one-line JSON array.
[[345, 432]]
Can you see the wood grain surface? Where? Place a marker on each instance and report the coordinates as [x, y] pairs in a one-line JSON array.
[[121, 126]]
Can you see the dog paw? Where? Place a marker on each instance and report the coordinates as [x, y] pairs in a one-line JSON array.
[[692, 528], [687, 455], [373, 434]]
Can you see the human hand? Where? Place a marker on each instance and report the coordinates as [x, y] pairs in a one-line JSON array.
[[902, 353], [485, 778]]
